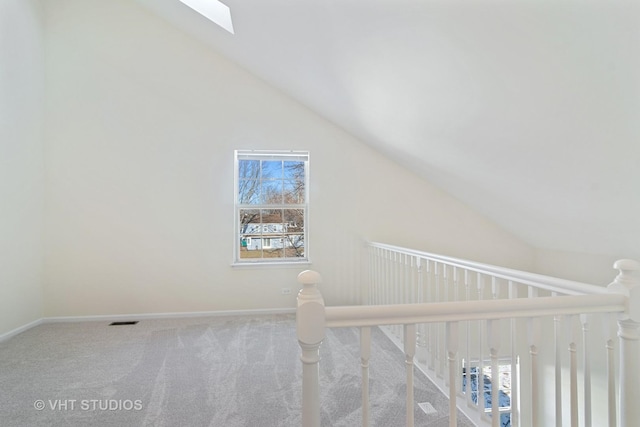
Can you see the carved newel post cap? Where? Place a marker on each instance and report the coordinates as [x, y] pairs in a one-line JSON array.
[[626, 264], [628, 269], [628, 283], [309, 277]]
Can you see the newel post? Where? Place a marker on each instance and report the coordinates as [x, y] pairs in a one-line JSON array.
[[628, 283], [310, 324]]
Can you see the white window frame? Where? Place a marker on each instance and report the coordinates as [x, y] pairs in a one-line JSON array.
[[270, 155]]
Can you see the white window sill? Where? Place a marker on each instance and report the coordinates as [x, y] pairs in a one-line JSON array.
[[271, 264]]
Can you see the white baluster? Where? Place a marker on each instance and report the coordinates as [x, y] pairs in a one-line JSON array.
[[493, 335], [408, 279], [445, 283], [373, 276], [413, 270], [370, 276], [627, 283], [467, 359], [444, 357], [409, 352], [431, 328], [456, 291], [394, 282], [584, 320], [382, 276], [495, 288], [573, 376], [411, 286], [365, 354], [573, 385], [376, 277], [413, 281], [493, 354], [397, 298], [400, 278], [611, 384], [384, 284], [557, 331], [436, 278], [535, 396], [534, 339], [452, 350], [388, 277], [480, 285], [310, 324], [515, 380], [428, 294], [422, 297], [437, 268], [482, 332]]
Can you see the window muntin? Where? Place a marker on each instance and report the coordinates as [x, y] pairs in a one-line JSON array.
[[271, 206]]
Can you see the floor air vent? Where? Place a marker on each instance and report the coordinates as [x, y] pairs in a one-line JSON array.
[[123, 323], [427, 408]]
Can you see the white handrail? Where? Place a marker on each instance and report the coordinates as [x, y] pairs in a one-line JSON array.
[[401, 277], [532, 279], [400, 314]]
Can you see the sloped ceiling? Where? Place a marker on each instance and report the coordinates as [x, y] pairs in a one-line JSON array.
[[528, 111]]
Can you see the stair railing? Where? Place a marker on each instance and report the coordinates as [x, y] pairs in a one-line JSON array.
[[441, 311]]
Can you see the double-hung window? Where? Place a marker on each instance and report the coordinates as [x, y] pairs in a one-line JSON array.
[[271, 204]]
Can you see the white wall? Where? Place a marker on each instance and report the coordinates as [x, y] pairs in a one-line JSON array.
[[582, 267], [142, 122], [21, 164]]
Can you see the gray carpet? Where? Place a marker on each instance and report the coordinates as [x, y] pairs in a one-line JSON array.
[[214, 371]]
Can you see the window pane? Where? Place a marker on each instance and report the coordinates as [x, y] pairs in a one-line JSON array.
[[266, 183], [294, 192], [294, 245], [294, 220], [271, 169], [248, 191], [249, 221], [250, 233], [271, 192], [272, 246], [248, 169], [294, 239], [294, 177], [294, 171], [273, 216]]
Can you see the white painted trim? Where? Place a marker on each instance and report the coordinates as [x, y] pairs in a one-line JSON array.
[[143, 316], [301, 155], [177, 315], [554, 284], [269, 264], [402, 314], [19, 330]]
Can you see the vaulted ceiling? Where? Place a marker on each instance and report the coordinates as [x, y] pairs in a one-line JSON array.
[[526, 110]]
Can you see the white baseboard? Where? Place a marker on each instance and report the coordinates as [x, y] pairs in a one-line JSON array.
[[19, 330], [143, 316], [187, 314]]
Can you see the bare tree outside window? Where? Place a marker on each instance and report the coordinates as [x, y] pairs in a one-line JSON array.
[[271, 206]]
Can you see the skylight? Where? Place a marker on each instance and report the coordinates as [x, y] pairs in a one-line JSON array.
[[213, 10]]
